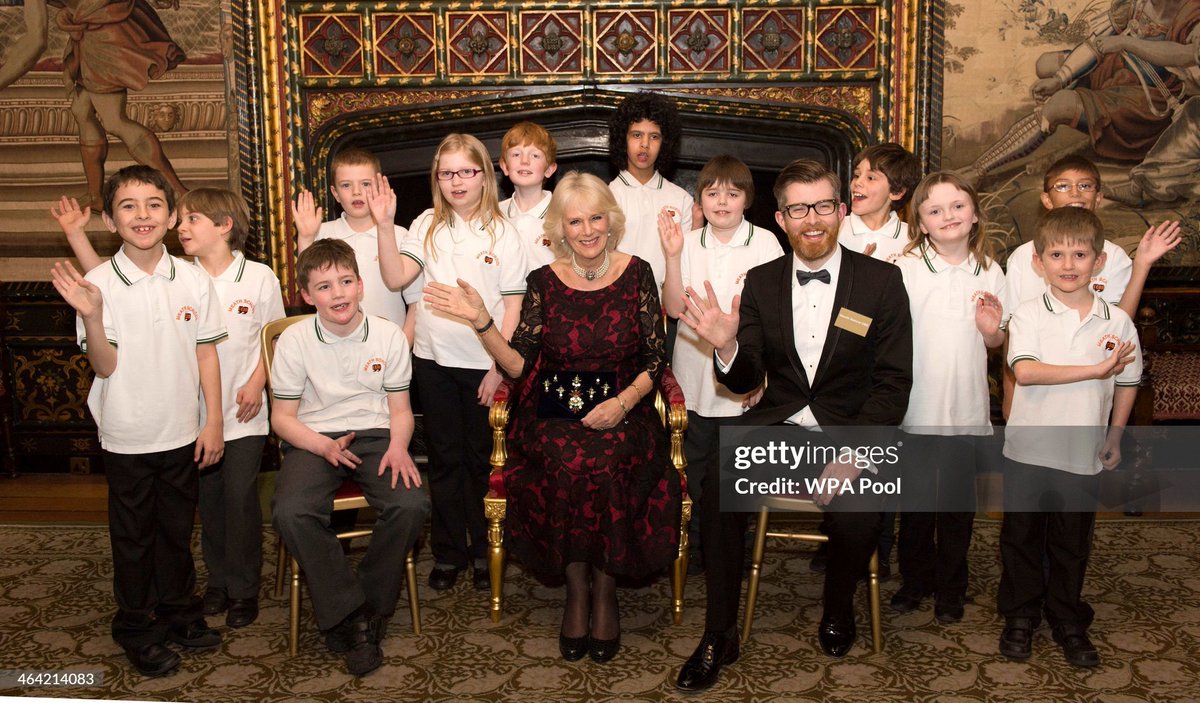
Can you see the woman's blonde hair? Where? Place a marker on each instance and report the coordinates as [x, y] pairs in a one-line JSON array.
[[489, 203], [981, 245], [587, 192]]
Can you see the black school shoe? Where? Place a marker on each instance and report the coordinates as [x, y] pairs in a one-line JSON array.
[[364, 655], [216, 600], [153, 660], [1076, 647], [194, 635], [242, 612], [1016, 641]]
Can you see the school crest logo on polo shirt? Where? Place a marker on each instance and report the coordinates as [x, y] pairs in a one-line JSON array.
[[741, 277], [1098, 284], [1109, 342], [241, 306], [375, 365], [187, 313], [488, 258]]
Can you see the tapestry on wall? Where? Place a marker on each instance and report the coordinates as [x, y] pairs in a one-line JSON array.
[[1115, 81], [90, 86]]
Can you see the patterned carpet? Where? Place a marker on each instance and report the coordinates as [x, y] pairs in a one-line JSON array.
[[55, 601]]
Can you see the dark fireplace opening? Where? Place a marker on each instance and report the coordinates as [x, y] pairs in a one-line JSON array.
[[581, 133]]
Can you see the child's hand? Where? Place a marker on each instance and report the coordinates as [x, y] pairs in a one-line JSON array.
[[487, 387], [249, 401], [988, 313], [1158, 241], [870, 249], [307, 216], [337, 452], [752, 399], [70, 217], [704, 315], [210, 445], [80, 293], [1110, 453], [401, 466], [1121, 357], [381, 199], [670, 233]]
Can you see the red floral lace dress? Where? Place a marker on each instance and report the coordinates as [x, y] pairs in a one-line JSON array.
[[610, 497]]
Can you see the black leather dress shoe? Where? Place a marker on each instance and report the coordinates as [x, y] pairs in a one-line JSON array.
[[572, 648], [948, 610], [602, 651], [699, 672], [195, 635], [216, 600], [364, 655], [1016, 641], [836, 636], [242, 612], [907, 599], [443, 579], [153, 660], [1076, 647]]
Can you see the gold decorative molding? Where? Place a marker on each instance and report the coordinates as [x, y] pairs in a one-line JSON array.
[[855, 100], [324, 106]]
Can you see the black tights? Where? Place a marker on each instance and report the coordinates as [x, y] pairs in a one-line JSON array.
[[600, 608]]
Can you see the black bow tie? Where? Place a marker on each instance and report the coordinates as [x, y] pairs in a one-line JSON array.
[[803, 277]]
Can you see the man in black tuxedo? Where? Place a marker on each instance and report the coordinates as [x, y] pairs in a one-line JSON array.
[[831, 330]]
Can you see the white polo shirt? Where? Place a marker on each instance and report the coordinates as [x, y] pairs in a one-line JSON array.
[[249, 296], [641, 205], [1044, 329], [151, 401], [889, 240], [950, 387], [494, 264], [378, 299], [539, 250], [704, 258], [341, 382], [1025, 283]]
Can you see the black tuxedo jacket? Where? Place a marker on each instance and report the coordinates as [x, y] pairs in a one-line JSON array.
[[860, 380]]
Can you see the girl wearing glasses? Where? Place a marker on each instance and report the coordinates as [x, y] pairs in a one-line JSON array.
[[463, 236]]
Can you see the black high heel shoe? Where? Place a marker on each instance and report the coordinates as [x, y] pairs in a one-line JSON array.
[[572, 648], [602, 651]]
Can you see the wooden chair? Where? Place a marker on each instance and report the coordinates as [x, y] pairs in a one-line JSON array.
[[348, 497], [668, 400], [761, 533]]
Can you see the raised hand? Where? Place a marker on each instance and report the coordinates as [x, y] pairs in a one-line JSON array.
[[1158, 241], [1121, 357], [870, 249], [704, 314], [461, 301], [988, 314], [70, 217], [307, 216], [80, 293], [381, 199], [670, 233]]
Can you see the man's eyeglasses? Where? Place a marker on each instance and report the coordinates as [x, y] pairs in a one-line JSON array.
[[1067, 187], [463, 173], [799, 211]]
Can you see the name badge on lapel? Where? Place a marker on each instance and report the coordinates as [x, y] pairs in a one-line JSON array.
[[854, 322]]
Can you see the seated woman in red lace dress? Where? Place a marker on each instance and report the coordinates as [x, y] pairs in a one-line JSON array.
[[591, 493]]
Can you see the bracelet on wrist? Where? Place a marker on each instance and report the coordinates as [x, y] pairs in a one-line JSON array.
[[621, 402], [481, 330]]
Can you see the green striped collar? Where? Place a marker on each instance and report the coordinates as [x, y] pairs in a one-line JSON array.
[[544, 203], [931, 258], [1100, 308], [327, 337], [713, 242], [656, 181], [129, 273]]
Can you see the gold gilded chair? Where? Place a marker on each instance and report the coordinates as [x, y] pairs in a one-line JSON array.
[[348, 497], [761, 533], [668, 400]]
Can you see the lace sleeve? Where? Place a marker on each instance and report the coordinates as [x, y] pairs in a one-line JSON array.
[[527, 337], [653, 353]]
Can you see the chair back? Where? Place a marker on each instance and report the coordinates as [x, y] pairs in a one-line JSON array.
[[270, 335]]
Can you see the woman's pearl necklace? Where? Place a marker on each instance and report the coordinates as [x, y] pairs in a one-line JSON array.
[[590, 274]]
